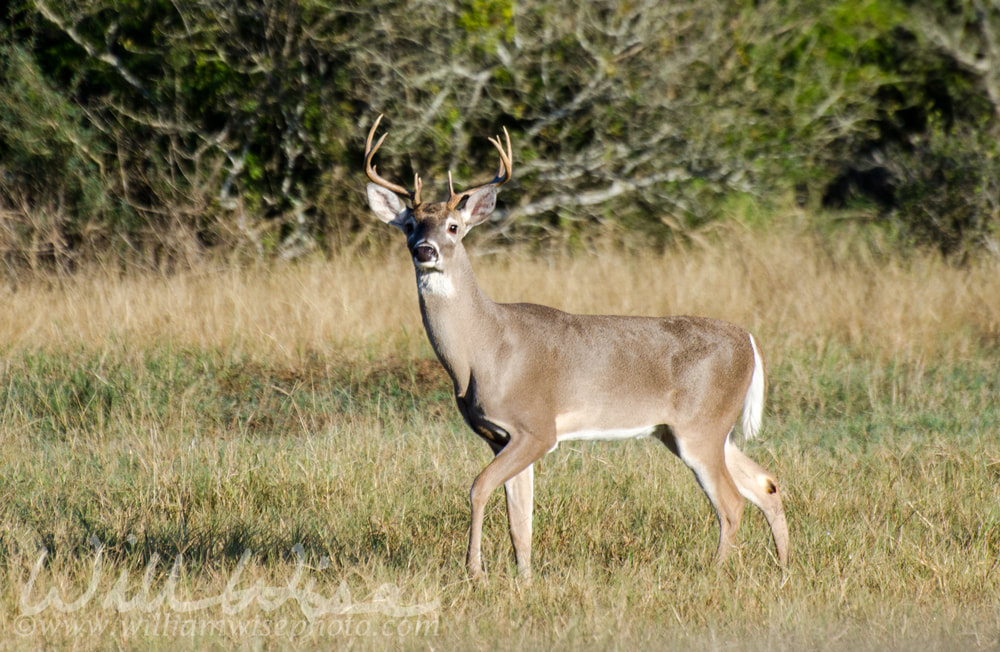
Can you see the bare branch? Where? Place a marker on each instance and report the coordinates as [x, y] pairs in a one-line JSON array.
[[92, 51]]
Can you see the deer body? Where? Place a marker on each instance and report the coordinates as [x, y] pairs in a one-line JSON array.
[[528, 376], [577, 370]]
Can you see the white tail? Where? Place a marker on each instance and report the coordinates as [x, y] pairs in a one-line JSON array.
[[527, 377], [753, 402]]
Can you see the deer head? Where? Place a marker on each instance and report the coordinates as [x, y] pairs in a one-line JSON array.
[[433, 230]]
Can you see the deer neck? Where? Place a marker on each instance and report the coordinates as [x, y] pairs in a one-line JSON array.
[[458, 317]]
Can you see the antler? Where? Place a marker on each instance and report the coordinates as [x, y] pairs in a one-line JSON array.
[[504, 171], [373, 175]]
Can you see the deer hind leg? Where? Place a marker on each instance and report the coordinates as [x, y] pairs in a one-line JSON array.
[[708, 462], [760, 488]]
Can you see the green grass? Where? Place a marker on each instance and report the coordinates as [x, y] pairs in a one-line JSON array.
[[890, 471]]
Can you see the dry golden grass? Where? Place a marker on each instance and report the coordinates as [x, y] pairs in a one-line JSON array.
[[789, 289], [218, 411]]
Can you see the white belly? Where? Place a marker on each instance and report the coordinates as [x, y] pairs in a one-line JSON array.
[[606, 435]]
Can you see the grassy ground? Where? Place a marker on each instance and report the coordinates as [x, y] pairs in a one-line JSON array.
[[296, 413]]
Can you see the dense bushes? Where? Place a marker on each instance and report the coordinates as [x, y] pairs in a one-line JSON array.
[[158, 131]]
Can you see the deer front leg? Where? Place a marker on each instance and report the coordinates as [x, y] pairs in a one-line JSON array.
[[520, 500], [517, 456]]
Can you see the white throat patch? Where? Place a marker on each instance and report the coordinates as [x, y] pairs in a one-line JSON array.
[[435, 283]]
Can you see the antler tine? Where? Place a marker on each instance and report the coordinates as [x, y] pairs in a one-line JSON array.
[[374, 176], [506, 158], [504, 171]]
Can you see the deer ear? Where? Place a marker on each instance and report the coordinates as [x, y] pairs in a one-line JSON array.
[[386, 205], [478, 205]]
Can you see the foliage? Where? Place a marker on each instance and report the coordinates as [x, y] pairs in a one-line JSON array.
[[159, 130]]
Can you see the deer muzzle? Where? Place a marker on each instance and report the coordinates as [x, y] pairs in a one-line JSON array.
[[425, 253]]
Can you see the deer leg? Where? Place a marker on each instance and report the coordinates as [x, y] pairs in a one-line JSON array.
[[708, 463], [520, 498], [519, 454], [760, 488]]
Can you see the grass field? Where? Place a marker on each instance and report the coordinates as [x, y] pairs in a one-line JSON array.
[[271, 458]]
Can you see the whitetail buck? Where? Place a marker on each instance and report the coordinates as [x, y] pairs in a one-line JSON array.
[[528, 377]]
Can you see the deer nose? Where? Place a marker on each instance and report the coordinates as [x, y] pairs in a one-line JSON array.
[[425, 253]]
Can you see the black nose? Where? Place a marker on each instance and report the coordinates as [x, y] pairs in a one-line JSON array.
[[425, 253]]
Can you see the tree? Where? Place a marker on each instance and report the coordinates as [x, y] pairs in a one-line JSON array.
[[161, 130]]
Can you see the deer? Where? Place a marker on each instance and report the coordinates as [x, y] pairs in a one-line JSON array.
[[527, 377]]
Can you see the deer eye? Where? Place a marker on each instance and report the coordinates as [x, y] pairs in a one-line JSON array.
[[408, 228], [452, 228]]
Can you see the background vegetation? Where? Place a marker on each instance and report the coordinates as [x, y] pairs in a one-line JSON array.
[[160, 131]]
